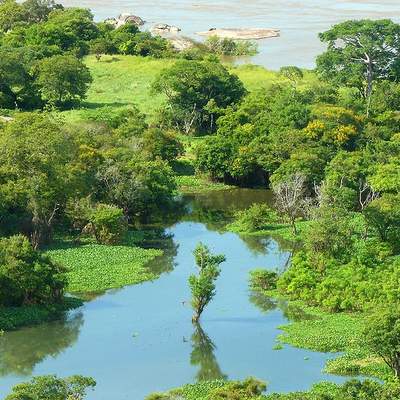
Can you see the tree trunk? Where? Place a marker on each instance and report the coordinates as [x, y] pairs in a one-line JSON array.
[[369, 87], [294, 227]]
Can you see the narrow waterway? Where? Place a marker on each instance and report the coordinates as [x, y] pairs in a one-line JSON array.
[[140, 339], [299, 21]]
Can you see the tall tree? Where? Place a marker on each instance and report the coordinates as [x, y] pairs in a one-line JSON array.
[[360, 53]]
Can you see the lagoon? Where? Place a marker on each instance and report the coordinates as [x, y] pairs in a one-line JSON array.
[[140, 339]]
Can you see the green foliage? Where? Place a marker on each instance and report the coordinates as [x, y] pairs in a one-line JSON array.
[[361, 53], [262, 279], [26, 277], [108, 224], [63, 80], [202, 286], [250, 388], [195, 91], [35, 176], [382, 335], [257, 217], [12, 318], [97, 267], [51, 387], [160, 144], [230, 47]]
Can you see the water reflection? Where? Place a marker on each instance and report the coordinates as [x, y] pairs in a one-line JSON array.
[[264, 303], [291, 312], [158, 238], [203, 356], [22, 350]]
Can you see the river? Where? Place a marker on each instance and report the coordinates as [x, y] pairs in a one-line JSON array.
[[140, 339], [300, 21]]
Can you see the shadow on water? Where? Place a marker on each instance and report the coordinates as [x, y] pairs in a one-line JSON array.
[[203, 356], [22, 350]]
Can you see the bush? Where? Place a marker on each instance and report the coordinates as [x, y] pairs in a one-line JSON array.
[[255, 218], [262, 279], [231, 47], [108, 224], [27, 277]]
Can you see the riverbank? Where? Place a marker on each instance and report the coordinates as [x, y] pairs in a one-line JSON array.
[[12, 318]]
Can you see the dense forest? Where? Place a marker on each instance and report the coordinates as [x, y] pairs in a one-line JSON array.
[[325, 142]]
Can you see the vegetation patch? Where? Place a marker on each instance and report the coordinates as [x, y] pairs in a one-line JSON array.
[[334, 332], [16, 317], [198, 184], [96, 267]]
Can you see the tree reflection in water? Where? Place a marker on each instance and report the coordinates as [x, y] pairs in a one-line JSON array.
[[22, 350], [203, 356]]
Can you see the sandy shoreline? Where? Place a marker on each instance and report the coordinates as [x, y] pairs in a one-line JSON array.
[[242, 34]]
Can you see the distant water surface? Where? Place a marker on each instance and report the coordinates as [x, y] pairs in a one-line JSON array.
[[300, 21]]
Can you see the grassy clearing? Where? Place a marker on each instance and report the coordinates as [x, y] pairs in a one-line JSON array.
[[256, 77], [15, 317], [119, 81], [96, 267]]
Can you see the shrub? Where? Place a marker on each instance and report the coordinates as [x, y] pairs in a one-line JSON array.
[[26, 276], [257, 217], [108, 224], [262, 279]]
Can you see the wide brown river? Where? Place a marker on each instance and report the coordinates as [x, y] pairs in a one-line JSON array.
[[300, 21]]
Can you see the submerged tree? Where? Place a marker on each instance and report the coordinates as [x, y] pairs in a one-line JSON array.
[[202, 286]]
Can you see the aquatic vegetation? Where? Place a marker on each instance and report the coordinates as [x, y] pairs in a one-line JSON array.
[[97, 267]]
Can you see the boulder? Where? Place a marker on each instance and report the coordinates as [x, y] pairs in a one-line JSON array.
[[125, 19], [165, 28], [180, 43]]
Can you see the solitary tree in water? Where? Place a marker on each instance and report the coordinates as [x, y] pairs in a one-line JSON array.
[[202, 285]]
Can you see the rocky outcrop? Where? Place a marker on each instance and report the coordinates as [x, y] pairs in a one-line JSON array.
[[242, 34], [125, 19], [161, 29], [180, 43]]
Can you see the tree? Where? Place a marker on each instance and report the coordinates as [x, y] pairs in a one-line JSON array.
[[360, 53], [293, 74], [26, 277], [160, 144], [190, 86], [10, 14], [383, 214], [35, 174], [107, 223], [16, 83], [382, 334], [202, 286], [38, 10], [63, 80], [50, 387], [290, 198]]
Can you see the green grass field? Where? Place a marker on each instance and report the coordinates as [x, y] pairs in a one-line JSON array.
[[119, 81]]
